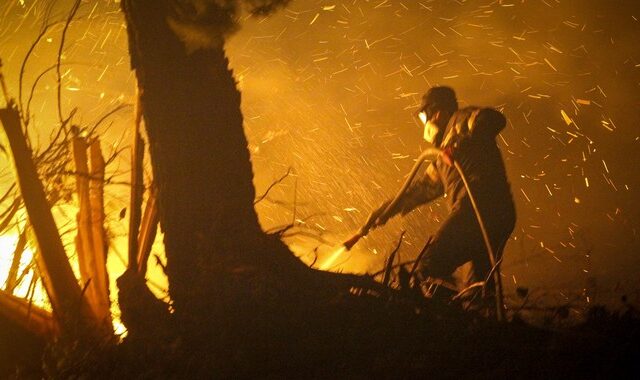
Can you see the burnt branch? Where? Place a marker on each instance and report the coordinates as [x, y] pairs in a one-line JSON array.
[[43, 30], [276, 182], [387, 273], [121, 107], [72, 14]]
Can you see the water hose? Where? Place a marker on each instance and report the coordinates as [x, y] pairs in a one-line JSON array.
[[495, 269], [485, 236], [420, 160]]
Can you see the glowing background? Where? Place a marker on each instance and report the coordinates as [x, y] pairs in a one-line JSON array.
[[329, 88]]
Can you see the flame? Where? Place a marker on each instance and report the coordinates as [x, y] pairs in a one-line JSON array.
[[38, 296]]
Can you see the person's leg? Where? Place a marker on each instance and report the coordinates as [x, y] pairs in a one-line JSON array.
[[484, 298], [450, 248], [465, 276]]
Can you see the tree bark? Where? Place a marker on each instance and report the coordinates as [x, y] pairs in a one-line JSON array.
[[236, 291], [201, 164]]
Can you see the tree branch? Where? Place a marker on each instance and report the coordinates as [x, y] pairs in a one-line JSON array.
[[276, 182], [72, 14]]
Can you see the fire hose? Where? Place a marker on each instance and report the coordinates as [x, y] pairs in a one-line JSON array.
[[495, 271]]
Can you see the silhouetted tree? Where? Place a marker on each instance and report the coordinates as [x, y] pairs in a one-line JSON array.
[[201, 165]]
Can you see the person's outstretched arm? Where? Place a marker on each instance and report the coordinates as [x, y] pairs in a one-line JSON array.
[[422, 190]]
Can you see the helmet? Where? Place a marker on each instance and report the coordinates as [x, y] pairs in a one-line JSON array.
[[437, 99]]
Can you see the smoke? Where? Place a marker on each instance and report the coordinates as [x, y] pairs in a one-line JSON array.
[[330, 91], [204, 24]]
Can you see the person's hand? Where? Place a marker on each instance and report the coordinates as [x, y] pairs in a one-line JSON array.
[[375, 219], [349, 243]]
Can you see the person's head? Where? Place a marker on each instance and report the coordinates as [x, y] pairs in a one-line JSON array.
[[438, 105]]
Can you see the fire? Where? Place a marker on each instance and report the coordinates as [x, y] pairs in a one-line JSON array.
[[26, 288], [32, 290]]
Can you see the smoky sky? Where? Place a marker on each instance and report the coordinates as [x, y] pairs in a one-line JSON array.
[[205, 23]]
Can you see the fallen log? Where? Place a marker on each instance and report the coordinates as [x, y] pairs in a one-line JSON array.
[[28, 316]]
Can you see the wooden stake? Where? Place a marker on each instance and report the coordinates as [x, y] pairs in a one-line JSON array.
[[12, 278], [137, 187], [148, 230], [84, 238], [98, 234], [90, 238]]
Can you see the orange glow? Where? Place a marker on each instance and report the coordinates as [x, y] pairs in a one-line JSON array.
[[7, 247], [36, 292]]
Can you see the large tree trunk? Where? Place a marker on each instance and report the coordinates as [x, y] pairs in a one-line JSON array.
[[240, 297], [201, 164]]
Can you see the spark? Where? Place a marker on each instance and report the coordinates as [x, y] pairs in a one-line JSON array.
[[550, 65]]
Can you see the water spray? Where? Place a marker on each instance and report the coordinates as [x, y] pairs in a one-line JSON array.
[[334, 256]]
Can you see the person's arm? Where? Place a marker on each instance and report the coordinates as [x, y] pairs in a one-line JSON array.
[[486, 122], [421, 191]]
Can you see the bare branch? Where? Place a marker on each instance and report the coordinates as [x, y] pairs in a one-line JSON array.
[[315, 257], [72, 14], [295, 201], [279, 180], [92, 130], [387, 273], [62, 129], [12, 278], [319, 238], [395, 266], [424, 250], [9, 192], [112, 157], [43, 30], [9, 214], [27, 112]]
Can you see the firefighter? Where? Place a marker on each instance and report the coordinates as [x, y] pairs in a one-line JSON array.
[[458, 253]]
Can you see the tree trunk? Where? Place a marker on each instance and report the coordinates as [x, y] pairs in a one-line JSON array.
[[238, 294], [201, 164]]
